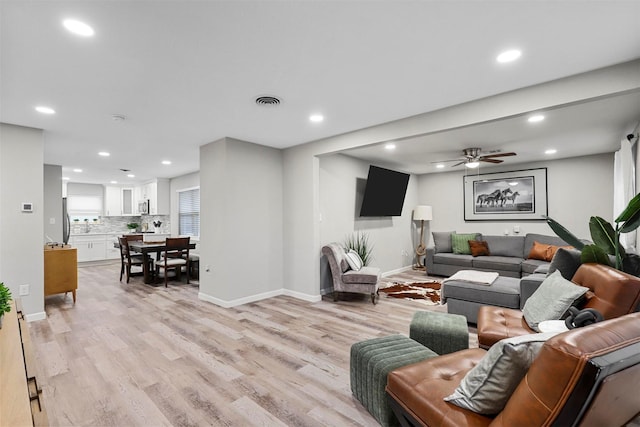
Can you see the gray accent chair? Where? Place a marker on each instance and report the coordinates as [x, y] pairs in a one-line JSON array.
[[363, 281]]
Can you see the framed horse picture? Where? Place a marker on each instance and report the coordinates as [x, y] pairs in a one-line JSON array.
[[506, 196]]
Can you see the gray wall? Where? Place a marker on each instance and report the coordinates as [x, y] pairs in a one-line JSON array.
[[241, 206], [342, 181], [52, 203], [21, 234], [578, 188]]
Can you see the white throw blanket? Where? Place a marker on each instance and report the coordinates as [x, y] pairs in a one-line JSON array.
[[479, 277]]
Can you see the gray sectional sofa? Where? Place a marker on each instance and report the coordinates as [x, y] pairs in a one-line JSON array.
[[509, 255]]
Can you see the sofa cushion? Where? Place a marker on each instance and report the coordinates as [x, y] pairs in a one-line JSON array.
[[366, 275], [442, 241], [460, 242], [504, 292], [487, 387], [502, 263], [453, 259], [354, 260], [479, 248], [530, 266], [551, 300], [505, 245]]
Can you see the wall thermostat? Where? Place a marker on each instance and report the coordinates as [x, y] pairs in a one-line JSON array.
[[27, 207]]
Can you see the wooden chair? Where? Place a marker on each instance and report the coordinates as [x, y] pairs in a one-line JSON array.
[[127, 259], [174, 257]]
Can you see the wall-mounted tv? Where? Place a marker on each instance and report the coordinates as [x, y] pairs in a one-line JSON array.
[[384, 192]]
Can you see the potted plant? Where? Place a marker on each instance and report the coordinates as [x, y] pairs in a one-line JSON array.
[[132, 226], [5, 298], [359, 242], [606, 239]]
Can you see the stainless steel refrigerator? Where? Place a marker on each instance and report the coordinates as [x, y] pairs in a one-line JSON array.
[[66, 222]]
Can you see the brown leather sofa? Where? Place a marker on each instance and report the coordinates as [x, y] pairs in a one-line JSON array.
[[587, 376], [613, 293]]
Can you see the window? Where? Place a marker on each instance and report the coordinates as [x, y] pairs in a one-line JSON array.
[[189, 212]]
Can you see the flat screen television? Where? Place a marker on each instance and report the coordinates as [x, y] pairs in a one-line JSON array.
[[384, 192]]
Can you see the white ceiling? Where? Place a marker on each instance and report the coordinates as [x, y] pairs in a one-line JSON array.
[[185, 73]]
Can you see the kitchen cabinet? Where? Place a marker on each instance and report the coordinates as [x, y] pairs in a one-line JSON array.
[[120, 201], [90, 248], [157, 192]]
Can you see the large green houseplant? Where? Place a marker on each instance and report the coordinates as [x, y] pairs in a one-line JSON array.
[[5, 299], [606, 239]]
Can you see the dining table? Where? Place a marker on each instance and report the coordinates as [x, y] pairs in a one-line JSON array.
[[148, 248]]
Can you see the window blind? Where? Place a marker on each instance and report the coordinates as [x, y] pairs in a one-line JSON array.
[[189, 212]]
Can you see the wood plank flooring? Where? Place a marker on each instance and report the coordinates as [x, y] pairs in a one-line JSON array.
[[137, 355]]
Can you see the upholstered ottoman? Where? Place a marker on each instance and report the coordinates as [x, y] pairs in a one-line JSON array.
[[465, 298], [443, 333], [371, 361]]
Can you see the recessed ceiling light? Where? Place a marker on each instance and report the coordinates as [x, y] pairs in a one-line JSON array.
[[535, 119], [77, 170], [45, 110], [77, 27], [551, 151], [508, 56], [104, 154], [390, 146], [166, 162], [131, 175], [316, 118], [113, 182], [439, 166], [65, 178]]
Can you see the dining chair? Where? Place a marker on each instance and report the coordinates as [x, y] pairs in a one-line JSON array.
[[127, 259], [175, 256]]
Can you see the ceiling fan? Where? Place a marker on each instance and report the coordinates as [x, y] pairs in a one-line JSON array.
[[471, 158]]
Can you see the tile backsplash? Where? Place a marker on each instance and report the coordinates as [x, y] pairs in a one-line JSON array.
[[118, 224]]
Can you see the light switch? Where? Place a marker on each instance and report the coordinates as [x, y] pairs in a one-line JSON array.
[[52, 221]]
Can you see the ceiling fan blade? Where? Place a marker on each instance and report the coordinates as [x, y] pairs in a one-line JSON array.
[[458, 164], [498, 155], [489, 160], [449, 160]]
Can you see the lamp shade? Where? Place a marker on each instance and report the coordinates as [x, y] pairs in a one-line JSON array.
[[422, 213]]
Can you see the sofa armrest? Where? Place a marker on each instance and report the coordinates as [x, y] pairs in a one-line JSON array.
[[428, 259], [528, 285]]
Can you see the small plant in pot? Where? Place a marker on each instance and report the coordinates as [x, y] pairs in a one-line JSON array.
[[132, 226], [5, 298], [359, 242]]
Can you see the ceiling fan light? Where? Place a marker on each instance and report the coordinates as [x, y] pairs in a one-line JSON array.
[[472, 165]]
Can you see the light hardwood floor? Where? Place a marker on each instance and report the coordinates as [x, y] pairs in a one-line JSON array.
[[136, 355]]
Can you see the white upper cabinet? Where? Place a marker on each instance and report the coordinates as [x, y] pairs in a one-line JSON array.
[[157, 193], [119, 201]]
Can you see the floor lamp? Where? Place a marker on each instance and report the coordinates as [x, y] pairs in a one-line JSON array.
[[421, 213]]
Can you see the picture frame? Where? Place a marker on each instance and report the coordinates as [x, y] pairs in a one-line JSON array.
[[506, 196]]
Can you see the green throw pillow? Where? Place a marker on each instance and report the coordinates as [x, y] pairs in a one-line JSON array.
[[460, 243]]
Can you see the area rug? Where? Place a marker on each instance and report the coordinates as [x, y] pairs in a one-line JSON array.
[[427, 291]]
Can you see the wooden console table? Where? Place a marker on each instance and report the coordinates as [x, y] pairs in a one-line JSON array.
[[60, 270]]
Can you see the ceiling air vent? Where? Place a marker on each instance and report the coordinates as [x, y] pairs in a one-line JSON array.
[[267, 100]]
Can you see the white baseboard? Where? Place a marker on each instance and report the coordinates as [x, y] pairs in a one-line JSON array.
[[258, 297], [36, 316], [396, 271]]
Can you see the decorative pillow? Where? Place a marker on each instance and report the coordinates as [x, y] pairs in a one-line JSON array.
[[551, 300], [460, 243], [544, 252], [354, 260], [479, 248], [566, 261], [442, 241], [488, 386]]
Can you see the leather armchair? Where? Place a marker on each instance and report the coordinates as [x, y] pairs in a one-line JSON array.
[[586, 376], [612, 292]]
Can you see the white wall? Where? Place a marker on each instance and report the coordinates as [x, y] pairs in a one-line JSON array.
[[342, 181], [241, 229], [21, 234], [177, 184], [578, 188], [52, 203]]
